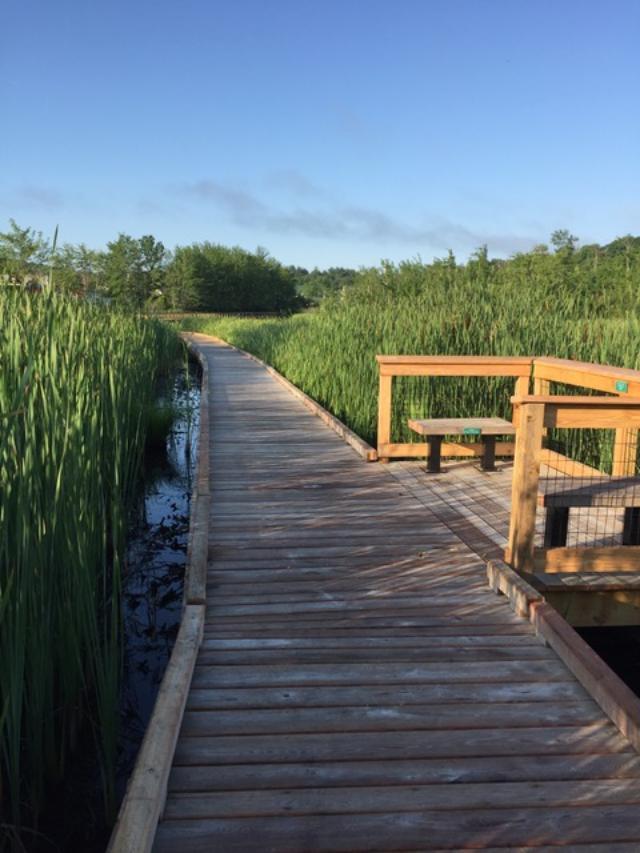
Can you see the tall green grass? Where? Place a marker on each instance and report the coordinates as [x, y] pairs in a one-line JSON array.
[[438, 309], [75, 383]]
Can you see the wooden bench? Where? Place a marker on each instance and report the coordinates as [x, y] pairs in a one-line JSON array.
[[435, 429], [606, 492]]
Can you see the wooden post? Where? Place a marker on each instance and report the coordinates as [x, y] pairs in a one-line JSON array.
[[522, 386], [384, 415], [541, 388], [524, 493], [625, 451]]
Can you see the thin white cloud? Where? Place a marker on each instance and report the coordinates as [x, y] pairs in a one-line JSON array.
[[294, 183], [38, 197], [346, 222]]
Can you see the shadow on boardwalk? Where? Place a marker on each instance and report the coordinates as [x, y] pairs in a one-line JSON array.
[[359, 687]]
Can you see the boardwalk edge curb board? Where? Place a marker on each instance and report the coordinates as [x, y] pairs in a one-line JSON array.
[[617, 700], [503, 580]]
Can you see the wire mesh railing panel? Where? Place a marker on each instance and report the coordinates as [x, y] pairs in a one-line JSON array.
[[590, 488]]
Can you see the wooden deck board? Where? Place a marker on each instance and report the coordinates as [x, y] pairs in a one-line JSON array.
[[383, 831], [355, 663]]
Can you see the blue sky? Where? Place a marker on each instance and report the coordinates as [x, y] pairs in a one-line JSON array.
[[331, 133]]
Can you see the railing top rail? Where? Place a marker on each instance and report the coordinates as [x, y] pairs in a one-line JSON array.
[[567, 412], [454, 365], [602, 377], [540, 364], [455, 359], [578, 400], [587, 366]]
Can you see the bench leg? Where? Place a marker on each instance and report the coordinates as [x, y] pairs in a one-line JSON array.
[[631, 529], [435, 451], [489, 454], [556, 527]]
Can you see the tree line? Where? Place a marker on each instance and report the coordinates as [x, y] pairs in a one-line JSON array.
[[141, 273]]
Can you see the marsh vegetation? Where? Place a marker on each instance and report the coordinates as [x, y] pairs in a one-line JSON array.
[[76, 386]]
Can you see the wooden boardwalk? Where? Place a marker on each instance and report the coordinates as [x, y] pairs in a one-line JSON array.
[[359, 687]]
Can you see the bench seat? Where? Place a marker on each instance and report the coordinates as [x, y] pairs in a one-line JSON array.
[[560, 495], [593, 491], [435, 429], [462, 426]]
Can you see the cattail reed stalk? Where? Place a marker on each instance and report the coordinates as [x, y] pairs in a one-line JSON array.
[[75, 383]]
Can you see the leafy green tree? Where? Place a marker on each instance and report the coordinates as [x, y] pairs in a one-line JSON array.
[[316, 285], [184, 279], [23, 253], [210, 277], [123, 272], [134, 269], [153, 256], [75, 269], [563, 239]]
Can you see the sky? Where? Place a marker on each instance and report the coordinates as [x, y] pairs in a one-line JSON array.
[[332, 132]]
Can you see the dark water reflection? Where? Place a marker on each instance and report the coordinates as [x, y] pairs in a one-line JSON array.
[[619, 647], [156, 556]]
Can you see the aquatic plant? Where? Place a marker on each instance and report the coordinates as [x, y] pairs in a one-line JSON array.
[[76, 383]]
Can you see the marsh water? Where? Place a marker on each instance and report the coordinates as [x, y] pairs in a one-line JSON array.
[[156, 556]]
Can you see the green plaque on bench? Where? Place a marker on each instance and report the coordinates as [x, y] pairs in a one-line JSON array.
[[472, 431], [622, 386]]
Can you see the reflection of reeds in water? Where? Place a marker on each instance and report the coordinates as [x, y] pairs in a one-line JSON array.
[[75, 385]]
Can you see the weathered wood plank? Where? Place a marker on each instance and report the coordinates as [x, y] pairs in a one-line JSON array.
[[416, 641], [205, 698], [390, 717], [356, 746], [398, 655], [388, 831], [404, 798], [404, 771], [354, 665], [290, 675]]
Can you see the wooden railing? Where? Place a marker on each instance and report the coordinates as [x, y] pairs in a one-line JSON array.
[[596, 377], [533, 414], [429, 365]]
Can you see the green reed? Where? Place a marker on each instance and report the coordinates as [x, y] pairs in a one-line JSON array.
[[75, 383], [439, 309]]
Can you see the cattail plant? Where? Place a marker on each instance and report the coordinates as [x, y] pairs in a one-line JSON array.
[[75, 383], [519, 307]]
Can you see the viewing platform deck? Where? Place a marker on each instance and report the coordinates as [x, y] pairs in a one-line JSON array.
[[359, 686]]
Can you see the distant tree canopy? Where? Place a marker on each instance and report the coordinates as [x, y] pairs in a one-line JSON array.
[[139, 272], [134, 270], [210, 277], [315, 285], [23, 252]]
